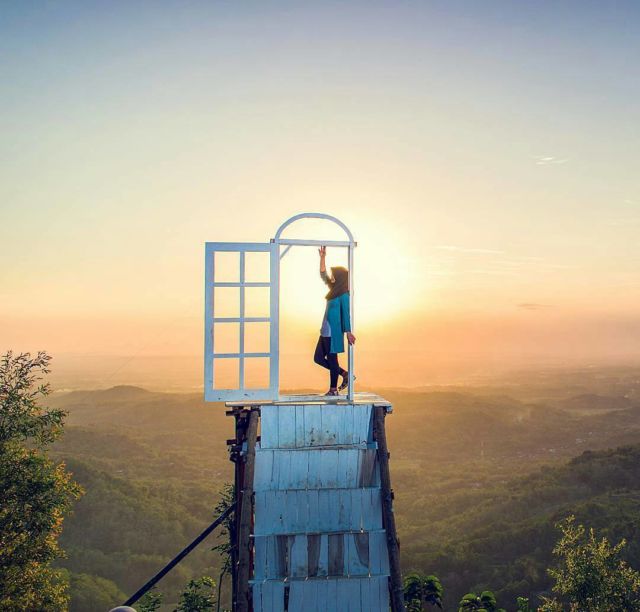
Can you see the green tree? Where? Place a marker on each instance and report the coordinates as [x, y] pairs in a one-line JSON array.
[[227, 534], [522, 604], [151, 602], [591, 575], [485, 602], [36, 492], [199, 596], [420, 590], [90, 592]]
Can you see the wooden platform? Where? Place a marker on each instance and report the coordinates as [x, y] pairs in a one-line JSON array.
[[320, 536], [285, 400]]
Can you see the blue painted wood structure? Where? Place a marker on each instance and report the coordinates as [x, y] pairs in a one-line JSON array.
[[319, 541]]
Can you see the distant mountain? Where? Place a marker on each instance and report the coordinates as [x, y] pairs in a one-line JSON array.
[[501, 536], [594, 402]]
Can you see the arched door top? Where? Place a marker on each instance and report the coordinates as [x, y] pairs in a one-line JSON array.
[[313, 216]]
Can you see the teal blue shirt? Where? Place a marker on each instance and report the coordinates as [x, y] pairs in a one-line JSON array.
[[339, 320]]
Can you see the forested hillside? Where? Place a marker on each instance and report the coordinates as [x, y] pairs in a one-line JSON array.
[[480, 479]]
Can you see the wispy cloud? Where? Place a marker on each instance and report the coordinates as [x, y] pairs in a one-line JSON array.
[[533, 306], [459, 249], [625, 222], [549, 160]]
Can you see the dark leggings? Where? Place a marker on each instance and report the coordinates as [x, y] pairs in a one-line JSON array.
[[326, 359]]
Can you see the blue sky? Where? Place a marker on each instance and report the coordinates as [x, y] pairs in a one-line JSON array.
[[492, 147]]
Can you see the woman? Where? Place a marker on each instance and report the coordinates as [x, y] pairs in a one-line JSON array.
[[335, 323]]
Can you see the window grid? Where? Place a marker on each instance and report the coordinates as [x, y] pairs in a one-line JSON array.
[[242, 285]]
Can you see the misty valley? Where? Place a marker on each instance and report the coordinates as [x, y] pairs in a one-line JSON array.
[[481, 474]]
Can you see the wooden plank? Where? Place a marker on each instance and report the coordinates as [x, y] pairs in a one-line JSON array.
[[272, 483], [257, 597], [281, 555], [277, 596], [329, 469], [298, 556], [314, 510], [336, 554], [329, 425], [260, 569], [315, 476], [313, 503], [353, 460], [365, 596], [323, 557], [321, 595], [287, 427], [324, 510], [314, 399], [349, 432], [300, 468], [246, 516], [367, 468], [302, 511], [269, 427], [359, 429], [312, 426], [285, 477], [374, 594], [313, 554], [383, 590], [361, 545], [342, 594], [263, 470], [300, 410], [296, 596], [343, 459], [359, 501], [343, 510], [311, 603], [332, 595]]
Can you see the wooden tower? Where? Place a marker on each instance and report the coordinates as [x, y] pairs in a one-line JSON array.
[[314, 527]]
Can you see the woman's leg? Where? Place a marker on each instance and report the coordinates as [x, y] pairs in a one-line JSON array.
[[334, 368], [320, 356]]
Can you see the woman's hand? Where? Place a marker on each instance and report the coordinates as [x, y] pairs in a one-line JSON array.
[[322, 251], [351, 338]]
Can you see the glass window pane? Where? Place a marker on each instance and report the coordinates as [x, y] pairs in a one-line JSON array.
[[226, 373], [226, 337], [257, 267], [256, 373], [256, 301], [256, 337], [226, 302], [226, 267]]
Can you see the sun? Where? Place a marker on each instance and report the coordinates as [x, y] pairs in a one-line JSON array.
[[384, 287]]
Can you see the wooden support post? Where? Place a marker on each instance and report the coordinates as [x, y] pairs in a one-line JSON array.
[[246, 517], [235, 454], [395, 580]]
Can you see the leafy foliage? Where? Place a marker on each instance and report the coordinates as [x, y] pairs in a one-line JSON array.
[[591, 575], [36, 492], [420, 590], [476, 505], [150, 602], [484, 602], [227, 534], [199, 596], [93, 593]]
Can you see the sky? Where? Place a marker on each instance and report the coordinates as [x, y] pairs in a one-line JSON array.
[[485, 156]]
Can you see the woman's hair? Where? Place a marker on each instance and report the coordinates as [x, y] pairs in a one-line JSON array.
[[340, 282]]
